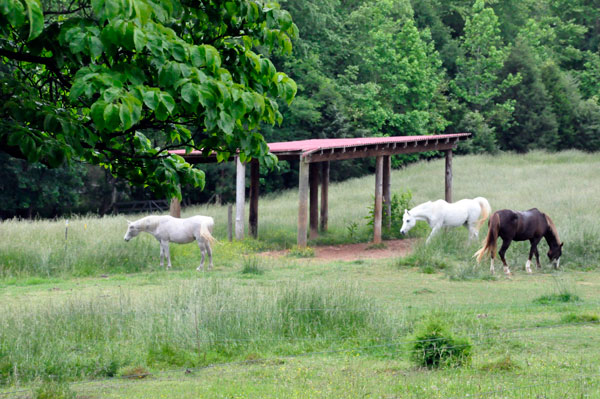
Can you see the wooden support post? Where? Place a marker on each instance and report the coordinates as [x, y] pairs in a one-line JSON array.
[[254, 184], [240, 198], [378, 200], [448, 175], [387, 195], [324, 195], [313, 183], [302, 203]]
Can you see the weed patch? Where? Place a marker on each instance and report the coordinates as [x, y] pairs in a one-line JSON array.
[[503, 364], [433, 346], [563, 297], [580, 318]]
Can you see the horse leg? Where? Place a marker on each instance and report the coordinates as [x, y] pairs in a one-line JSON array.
[[505, 244], [208, 250], [201, 267], [473, 233], [537, 258], [162, 255], [434, 231], [165, 247], [533, 251], [205, 249]]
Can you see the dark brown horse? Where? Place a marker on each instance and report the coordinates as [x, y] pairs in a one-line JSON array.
[[529, 225]]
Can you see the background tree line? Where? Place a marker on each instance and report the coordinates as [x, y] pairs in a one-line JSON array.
[[517, 74]]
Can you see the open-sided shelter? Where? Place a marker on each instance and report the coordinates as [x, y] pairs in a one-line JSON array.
[[314, 157]]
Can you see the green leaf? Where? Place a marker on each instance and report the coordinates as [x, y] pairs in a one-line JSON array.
[[139, 39], [190, 94], [36, 18], [111, 117], [98, 7], [112, 8], [178, 52], [168, 101], [126, 117], [198, 56], [96, 47], [226, 122], [161, 112], [14, 11], [97, 113], [151, 99]]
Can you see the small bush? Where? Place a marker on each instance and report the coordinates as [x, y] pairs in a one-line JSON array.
[[433, 346], [251, 265], [398, 203], [54, 390]]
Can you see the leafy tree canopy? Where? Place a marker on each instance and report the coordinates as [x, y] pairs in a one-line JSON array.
[[118, 83]]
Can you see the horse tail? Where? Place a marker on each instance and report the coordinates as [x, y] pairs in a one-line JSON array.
[[489, 243], [486, 209], [205, 231]]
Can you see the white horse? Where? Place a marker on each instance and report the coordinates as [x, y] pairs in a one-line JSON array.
[[468, 212], [167, 229]]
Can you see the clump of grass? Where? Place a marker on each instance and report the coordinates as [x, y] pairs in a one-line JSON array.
[[503, 364], [135, 372], [380, 245], [54, 390], [562, 297], [423, 291], [251, 265], [580, 318], [469, 271], [433, 346], [299, 252]]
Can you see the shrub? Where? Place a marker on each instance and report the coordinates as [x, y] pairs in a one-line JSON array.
[[251, 265], [433, 346], [54, 390], [398, 203]]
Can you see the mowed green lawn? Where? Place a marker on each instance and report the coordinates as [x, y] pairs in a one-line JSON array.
[[100, 317]]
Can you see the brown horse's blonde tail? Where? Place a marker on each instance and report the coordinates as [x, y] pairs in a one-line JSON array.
[[486, 209], [489, 245]]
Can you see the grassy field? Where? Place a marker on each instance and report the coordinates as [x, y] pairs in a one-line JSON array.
[[95, 317]]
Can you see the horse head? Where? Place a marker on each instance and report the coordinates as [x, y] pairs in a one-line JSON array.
[[554, 254], [408, 222], [132, 231]]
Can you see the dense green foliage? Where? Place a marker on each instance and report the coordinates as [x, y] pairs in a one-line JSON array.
[[119, 83], [518, 75]]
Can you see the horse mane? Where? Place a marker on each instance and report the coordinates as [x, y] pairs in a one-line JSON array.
[[552, 228], [148, 223]]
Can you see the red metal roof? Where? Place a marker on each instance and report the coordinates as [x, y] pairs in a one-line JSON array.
[[318, 144], [303, 148]]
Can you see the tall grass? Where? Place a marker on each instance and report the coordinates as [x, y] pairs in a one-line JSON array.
[[565, 185], [190, 324]]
